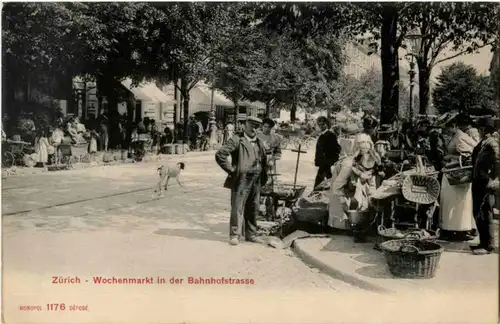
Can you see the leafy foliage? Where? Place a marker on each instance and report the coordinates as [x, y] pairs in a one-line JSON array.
[[463, 27], [460, 88]]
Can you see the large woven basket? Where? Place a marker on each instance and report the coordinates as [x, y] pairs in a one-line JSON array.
[[420, 189], [412, 259], [459, 175]]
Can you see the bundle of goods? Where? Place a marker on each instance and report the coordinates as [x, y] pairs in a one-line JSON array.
[[392, 233], [412, 258], [459, 172], [311, 210], [283, 191]]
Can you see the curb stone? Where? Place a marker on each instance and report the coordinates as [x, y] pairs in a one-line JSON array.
[[334, 273]]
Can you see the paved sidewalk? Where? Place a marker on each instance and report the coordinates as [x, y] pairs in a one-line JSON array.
[[362, 266]]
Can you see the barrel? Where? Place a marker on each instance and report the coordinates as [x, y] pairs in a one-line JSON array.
[[168, 149]]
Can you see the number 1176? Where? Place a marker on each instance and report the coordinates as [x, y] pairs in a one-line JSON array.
[[56, 307]]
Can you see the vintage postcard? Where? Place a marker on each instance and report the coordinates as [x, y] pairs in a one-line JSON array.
[[250, 162]]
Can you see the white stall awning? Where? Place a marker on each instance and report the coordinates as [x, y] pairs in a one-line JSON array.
[[147, 91], [219, 98]]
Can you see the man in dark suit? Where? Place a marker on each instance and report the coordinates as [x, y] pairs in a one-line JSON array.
[[485, 183], [327, 151]]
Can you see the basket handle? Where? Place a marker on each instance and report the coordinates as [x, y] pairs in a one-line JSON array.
[[381, 228], [409, 248], [460, 161], [438, 232], [413, 236]]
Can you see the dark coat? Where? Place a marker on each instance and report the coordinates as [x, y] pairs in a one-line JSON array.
[[327, 150], [239, 148], [486, 161]]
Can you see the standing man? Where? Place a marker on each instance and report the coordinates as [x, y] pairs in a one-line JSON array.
[[327, 151], [247, 172], [485, 178]]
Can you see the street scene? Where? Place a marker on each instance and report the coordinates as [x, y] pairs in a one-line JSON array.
[[250, 162]]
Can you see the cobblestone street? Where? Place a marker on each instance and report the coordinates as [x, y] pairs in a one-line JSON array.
[[104, 221]]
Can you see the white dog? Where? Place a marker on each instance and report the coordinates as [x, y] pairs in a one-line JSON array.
[[165, 173]]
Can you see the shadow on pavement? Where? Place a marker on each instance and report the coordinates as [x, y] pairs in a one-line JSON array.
[[218, 232], [379, 271]]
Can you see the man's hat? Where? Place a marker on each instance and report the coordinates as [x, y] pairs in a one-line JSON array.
[[386, 129], [380, 142], [369, 123], [268, 121], [486, 123], [254, 120], [463, 120]]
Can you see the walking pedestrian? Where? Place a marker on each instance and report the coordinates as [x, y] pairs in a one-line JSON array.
[[247, 172], [485, 183], [327, 151]]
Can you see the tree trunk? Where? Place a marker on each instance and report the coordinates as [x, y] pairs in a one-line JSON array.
[[390, 65], [130, 119], [27, 88], [236, 113], [69, 94], [293, 112], [268, 108], [84, 101], [423, 87], [185, 103]]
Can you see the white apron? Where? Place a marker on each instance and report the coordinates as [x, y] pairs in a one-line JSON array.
[[456, 207], [337, 218]]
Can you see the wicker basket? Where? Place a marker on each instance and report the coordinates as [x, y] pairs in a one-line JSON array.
[[412, 259], [420, 189], [460, 175]]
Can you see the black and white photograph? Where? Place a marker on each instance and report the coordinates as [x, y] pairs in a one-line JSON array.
[[250, 162]]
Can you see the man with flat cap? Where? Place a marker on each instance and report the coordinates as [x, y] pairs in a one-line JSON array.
[[247, 172], [485, 184]]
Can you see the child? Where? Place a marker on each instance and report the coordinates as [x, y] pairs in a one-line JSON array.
[[42, 147], [92, 150]]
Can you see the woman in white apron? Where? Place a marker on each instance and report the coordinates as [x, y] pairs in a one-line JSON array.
[[456, 200]]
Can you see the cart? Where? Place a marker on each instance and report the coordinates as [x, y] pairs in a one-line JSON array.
[[409, 216], [13, 152], [282, 196]]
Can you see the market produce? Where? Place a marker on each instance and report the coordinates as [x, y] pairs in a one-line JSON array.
[[399, 234]]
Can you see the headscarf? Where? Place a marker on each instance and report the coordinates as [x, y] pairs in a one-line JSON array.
[[364, 138]]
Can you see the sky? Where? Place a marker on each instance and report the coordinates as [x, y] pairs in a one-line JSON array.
[[481, 61]]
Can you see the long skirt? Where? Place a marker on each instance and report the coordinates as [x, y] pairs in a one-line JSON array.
[[456, 207]]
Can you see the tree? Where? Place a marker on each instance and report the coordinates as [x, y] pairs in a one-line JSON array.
[[495, 75], [460, 88], [380, 19], [462, 26]]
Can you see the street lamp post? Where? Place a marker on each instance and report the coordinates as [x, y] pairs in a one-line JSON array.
[[411, 59], [414, 39]]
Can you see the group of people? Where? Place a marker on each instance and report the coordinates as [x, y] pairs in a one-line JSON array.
[[355, 168]]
